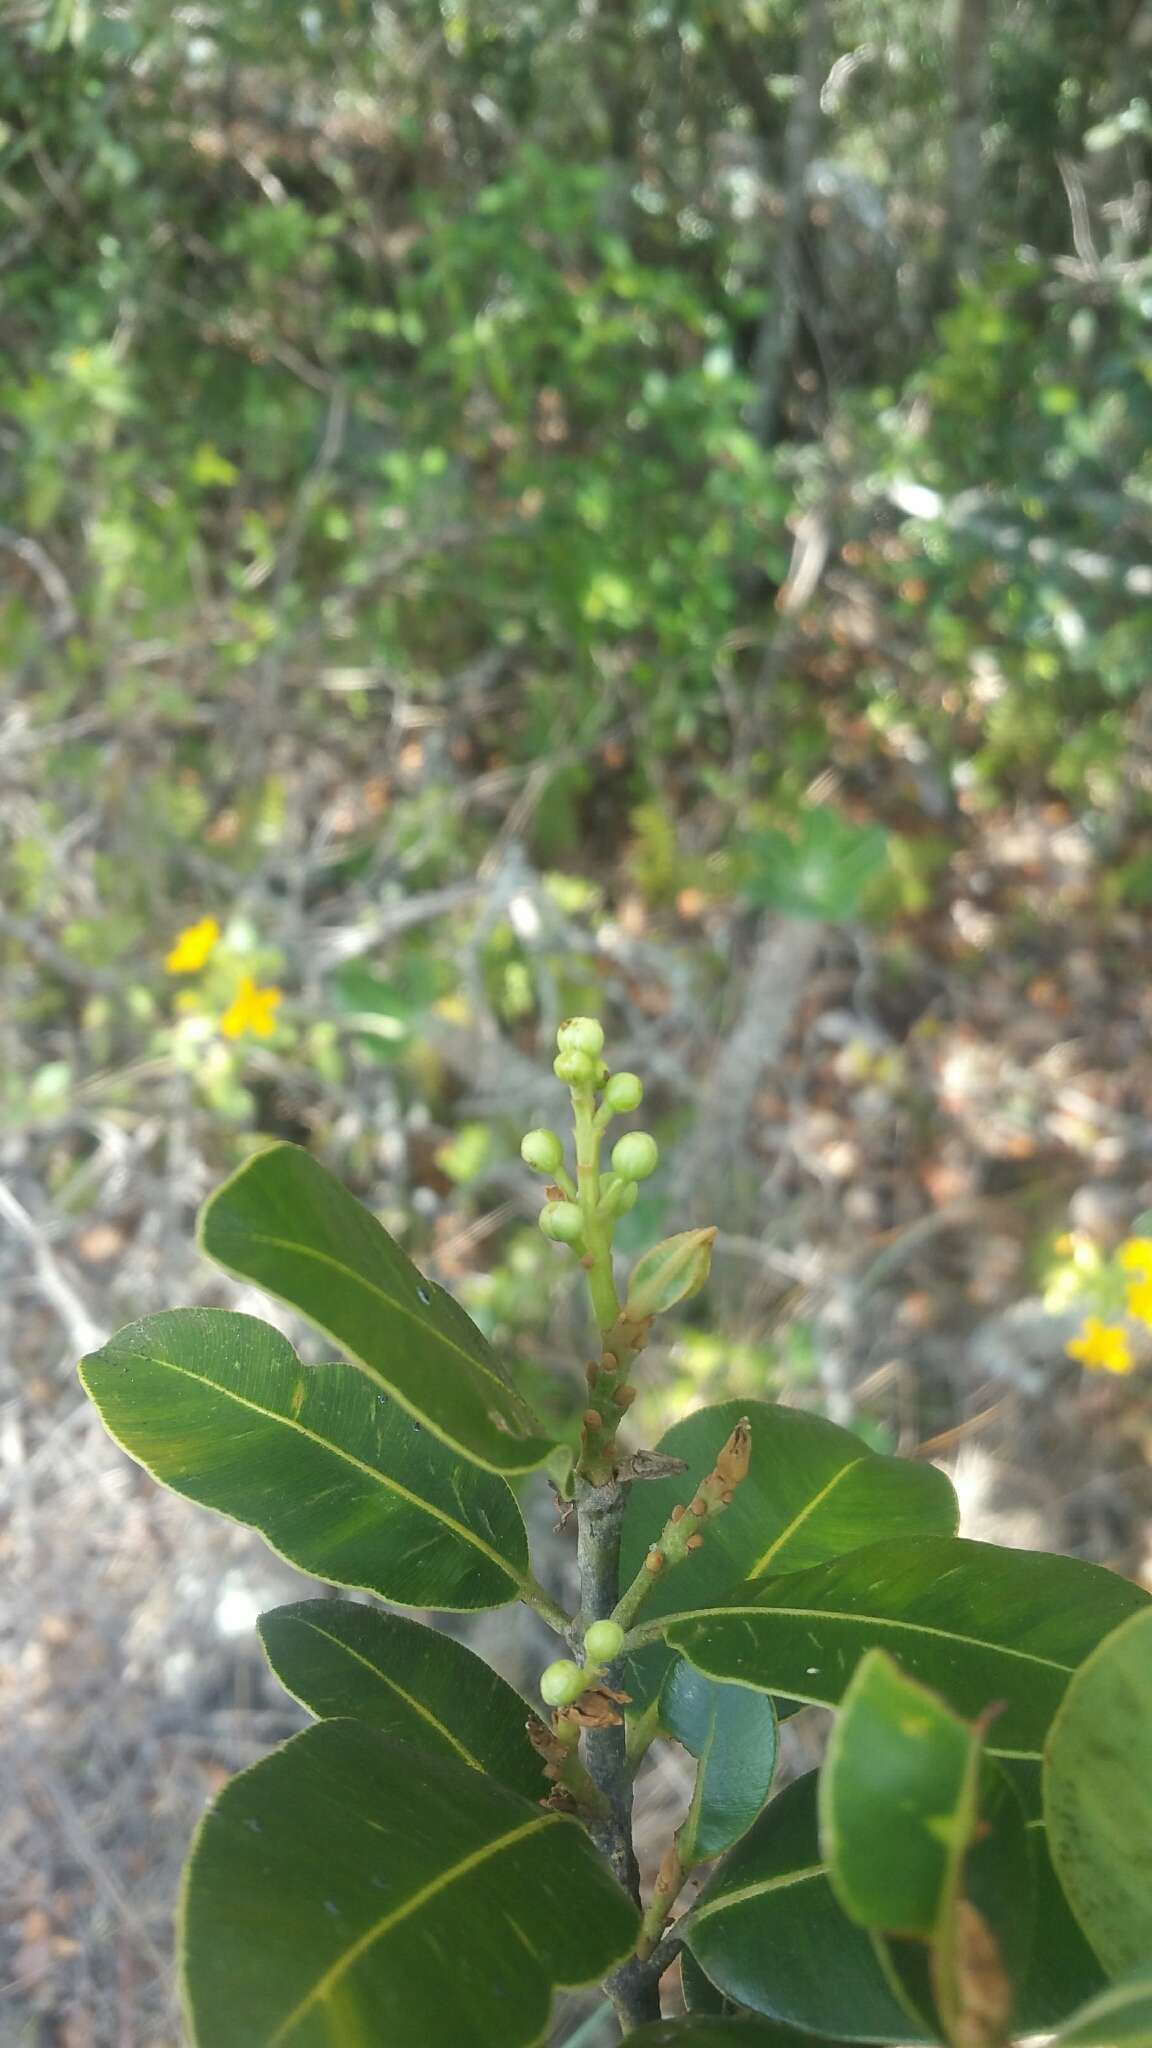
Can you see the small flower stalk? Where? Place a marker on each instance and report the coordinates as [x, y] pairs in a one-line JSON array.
[[683, 1532], [665, 1892], [582, 1210], [573, 1790]]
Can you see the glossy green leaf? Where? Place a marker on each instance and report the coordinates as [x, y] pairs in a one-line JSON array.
[[926, 1844], [1062, 1972], [982, 1938], [1120, 2017], [899, 1794], [289, 1225], [702, 2031], [986, 1627], [780, 1864], [344, 1661], [1098, 1796], [337, 1478], [813, 1491], [350, 1890], [769, 1933], [731, 1731], [700, 1994]]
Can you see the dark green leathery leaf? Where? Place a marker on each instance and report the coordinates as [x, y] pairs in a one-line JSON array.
[[342, 1660], [1098, 1796], [986, 1627], [338, 1478], [731, 1731], [417, 1902], [702, 2030], [286, 1223], [812, 1491], [769, 1933]]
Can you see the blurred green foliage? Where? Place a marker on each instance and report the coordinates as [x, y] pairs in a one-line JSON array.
[[384, 488]]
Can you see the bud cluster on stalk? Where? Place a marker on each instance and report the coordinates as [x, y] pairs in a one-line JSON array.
[[579, 1064]]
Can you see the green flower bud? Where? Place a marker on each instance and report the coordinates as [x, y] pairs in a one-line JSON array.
[[669, 1273], [562, 1683], [575, 1069], [623, 1092], [603, 1641], [542, 1151], [562, 1222], [635, 1155], [581, 1034]]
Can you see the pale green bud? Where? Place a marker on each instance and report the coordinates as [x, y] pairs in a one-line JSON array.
[[562, 1222], [670, 1272], [623, 1092], [575, 1069], [581, 1034], [635, 1155], [542, 1151], [603, 1641], [562, 1683]]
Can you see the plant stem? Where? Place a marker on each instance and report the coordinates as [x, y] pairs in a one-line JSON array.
[[633, 1989], [641, 1732], [533, 1595], [637, 1592], [670, 1881], [683, 1532], [597, 1230], [648, 1632]]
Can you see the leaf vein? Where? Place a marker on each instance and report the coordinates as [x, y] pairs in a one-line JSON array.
[[819, 1614], [325, 1984], [809, 1508], [756, 1891], [372, 1472], [410, 1700], [308, 1251]]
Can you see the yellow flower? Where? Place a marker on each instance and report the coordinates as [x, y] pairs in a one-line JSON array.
[[1140, 1299], [1102, 1345], [193, 947], [254, 1010], [1136, 1256]]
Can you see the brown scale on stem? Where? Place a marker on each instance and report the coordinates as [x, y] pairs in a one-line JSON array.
[[683, 1532]]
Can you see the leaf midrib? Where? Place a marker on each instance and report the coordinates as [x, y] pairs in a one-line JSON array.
[[308, 1251], [779, 1883], [809, 1508], [409, 1699], [388, 1921], [669, 1621], [383, 1479]]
